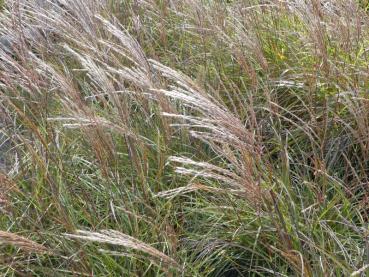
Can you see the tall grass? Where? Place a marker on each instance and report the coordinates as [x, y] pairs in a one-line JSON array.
[[184, 138]]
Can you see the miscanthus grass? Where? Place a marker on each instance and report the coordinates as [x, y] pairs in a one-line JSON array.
[[184, 138]]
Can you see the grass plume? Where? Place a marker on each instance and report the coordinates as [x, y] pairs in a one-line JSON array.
[[184, 138]]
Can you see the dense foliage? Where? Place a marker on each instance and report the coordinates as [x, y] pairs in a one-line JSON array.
[[184, 138]]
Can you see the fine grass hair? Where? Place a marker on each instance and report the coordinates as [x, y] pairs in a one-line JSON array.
[[184, 138]]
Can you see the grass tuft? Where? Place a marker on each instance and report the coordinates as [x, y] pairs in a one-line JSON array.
[[184, 138]]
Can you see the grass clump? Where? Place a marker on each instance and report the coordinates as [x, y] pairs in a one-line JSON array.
[[184, 138]]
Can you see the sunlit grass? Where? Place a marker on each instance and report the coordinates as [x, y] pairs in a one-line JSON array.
[[184, 138]]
